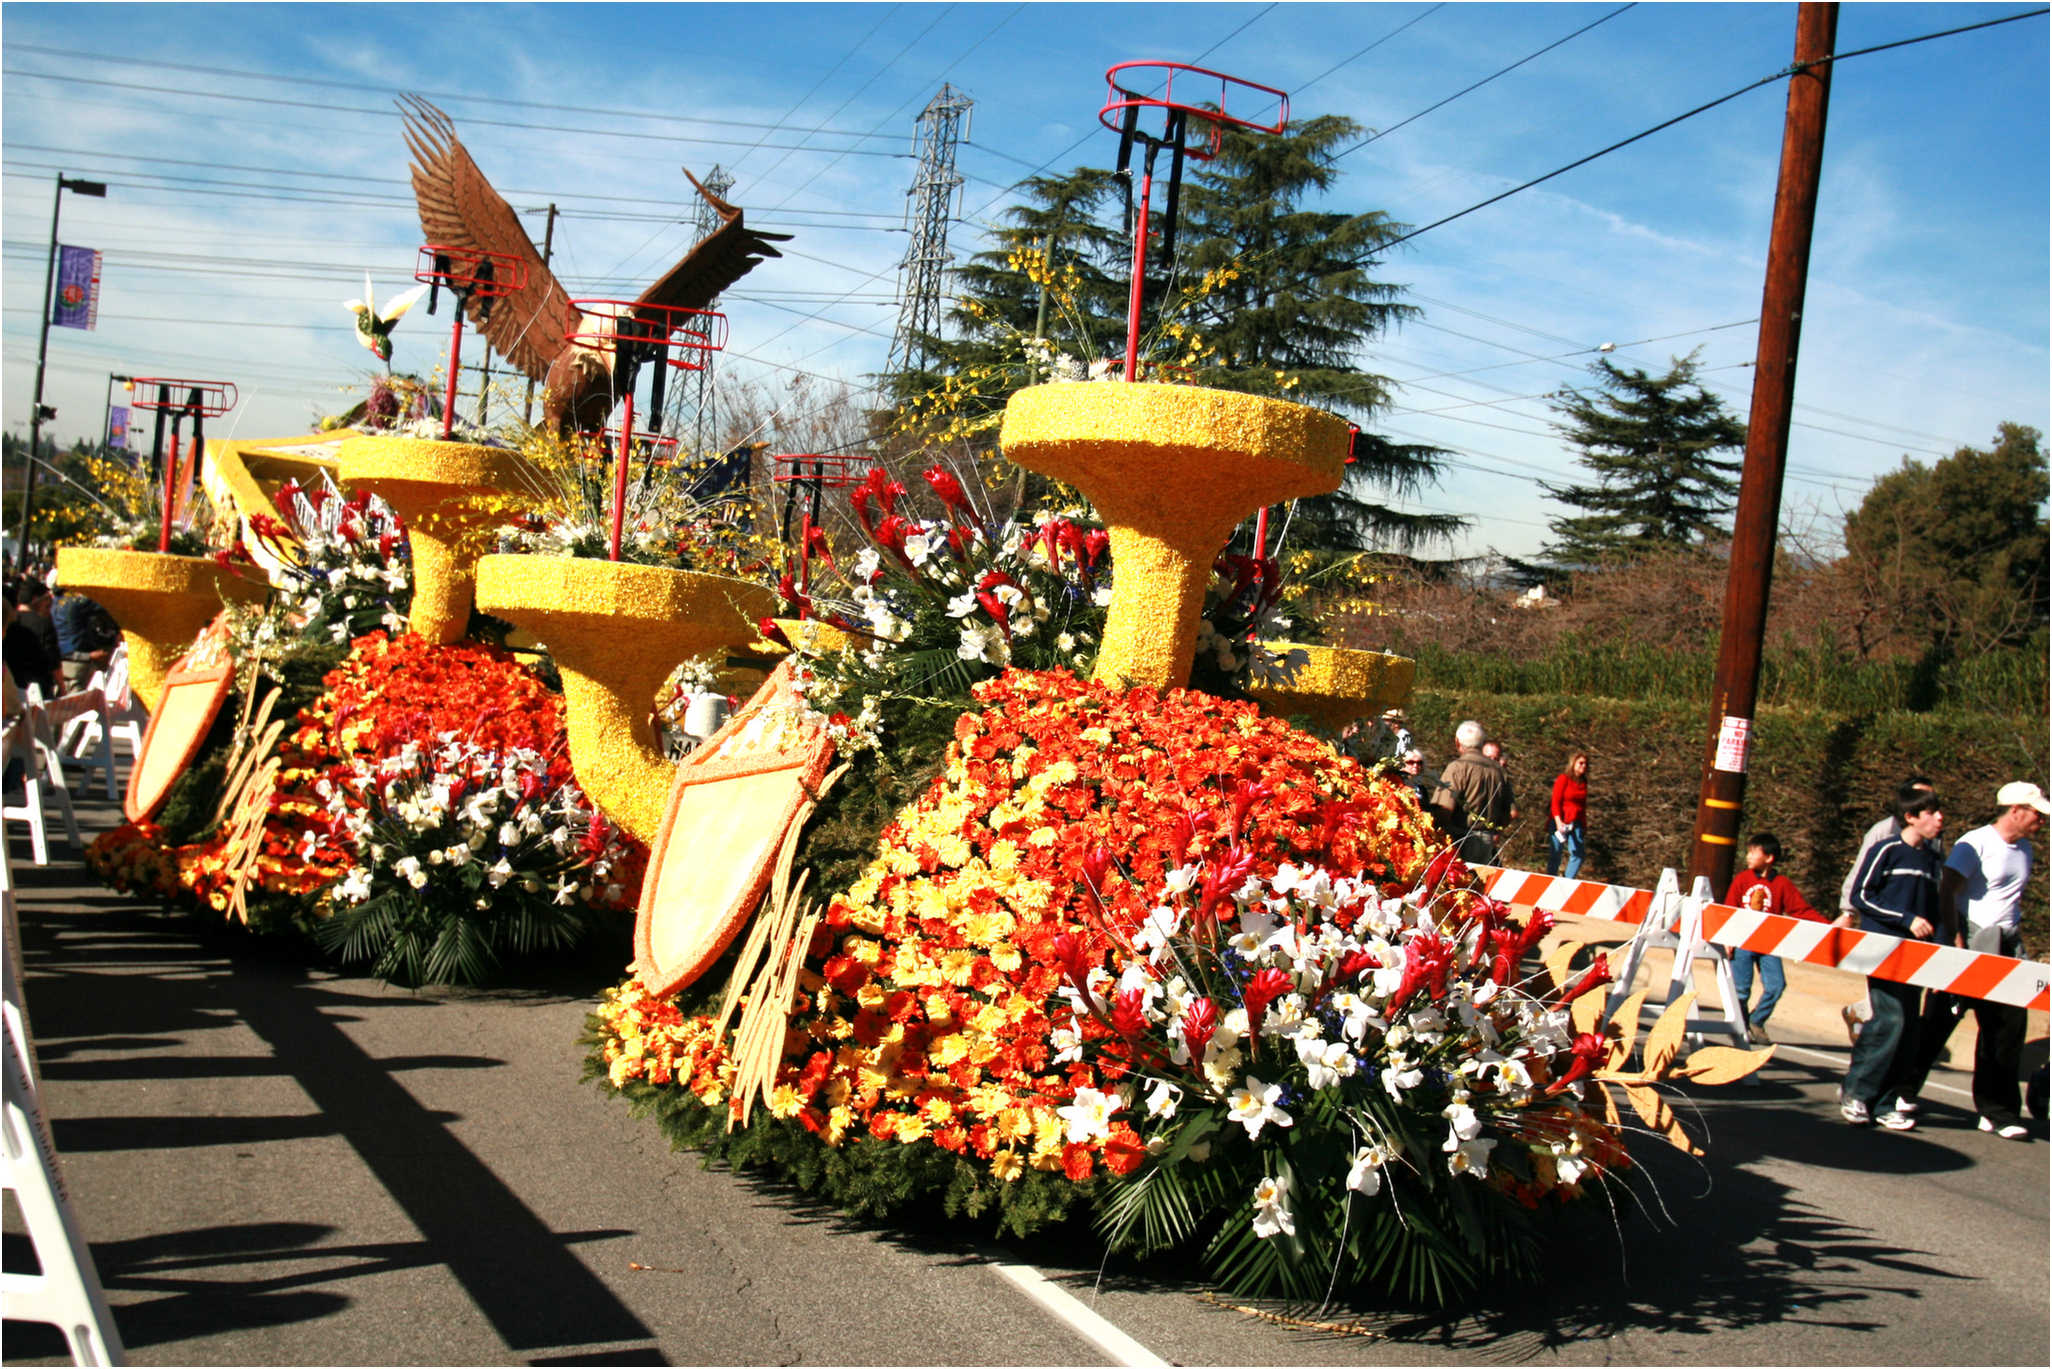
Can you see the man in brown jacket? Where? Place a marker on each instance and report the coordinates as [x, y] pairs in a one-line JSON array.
[[1473, 801]]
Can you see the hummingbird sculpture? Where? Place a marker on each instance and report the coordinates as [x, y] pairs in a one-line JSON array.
[[531, 327], [374, 325]]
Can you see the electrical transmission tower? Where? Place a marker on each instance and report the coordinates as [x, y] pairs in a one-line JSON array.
[[934, 186], [691, 405]]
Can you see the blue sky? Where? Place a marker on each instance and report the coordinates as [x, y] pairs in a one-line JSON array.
[[1927, 317]]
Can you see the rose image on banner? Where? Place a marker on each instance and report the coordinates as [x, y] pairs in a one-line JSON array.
[[117, 427], [76, 303]]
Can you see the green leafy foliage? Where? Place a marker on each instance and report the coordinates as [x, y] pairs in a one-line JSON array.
[[1650, 442]]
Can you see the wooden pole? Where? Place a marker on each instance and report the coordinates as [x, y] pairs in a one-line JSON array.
[[1735, 691]]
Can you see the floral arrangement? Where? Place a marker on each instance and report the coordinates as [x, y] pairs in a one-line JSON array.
[[353, 778], [1194, 967], [343, 569], [667, 523], [460, 855]]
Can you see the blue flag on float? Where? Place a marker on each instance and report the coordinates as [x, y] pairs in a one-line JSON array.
[[77, 301]]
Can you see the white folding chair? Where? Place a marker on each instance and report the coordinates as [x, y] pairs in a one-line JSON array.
[[90, 736], [28, 739]]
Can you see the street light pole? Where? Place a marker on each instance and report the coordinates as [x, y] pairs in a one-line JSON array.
[[96, 190], [107, 419]]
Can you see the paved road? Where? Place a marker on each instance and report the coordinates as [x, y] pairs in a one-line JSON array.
[[281, 1165]]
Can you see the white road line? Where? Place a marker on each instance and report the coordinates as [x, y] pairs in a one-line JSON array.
[[1118, 1347], [1838, 1059]]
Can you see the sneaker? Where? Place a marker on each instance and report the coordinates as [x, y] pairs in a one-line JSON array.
[[1854, 1111], [1908, 1103], [1757, 1034], [1895, 1119], [2008, 1131]]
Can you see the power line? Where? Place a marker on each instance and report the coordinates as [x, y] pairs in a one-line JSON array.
[[1426, 13], [1790, 70], [1384, 133]]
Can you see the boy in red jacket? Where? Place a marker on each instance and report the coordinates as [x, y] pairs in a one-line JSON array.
[[1759, 889]]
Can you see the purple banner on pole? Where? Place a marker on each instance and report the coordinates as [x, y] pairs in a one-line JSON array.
[[77, 301], [117, 427]]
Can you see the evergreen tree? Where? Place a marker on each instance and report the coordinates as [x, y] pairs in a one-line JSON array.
[[1264, 296], [1651, 442]]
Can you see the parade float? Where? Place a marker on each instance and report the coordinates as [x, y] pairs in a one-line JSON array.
[[1026, 882]]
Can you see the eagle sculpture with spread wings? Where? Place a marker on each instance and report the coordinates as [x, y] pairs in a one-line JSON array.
[[532, 327]]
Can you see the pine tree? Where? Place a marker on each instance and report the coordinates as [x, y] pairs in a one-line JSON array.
[[1264, 296], [1651, 442]]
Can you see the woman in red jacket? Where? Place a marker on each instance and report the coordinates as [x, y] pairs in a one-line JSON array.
[[1568, 809]]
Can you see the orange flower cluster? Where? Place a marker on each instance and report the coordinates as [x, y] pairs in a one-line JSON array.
[[933, 1009], [132, 859]]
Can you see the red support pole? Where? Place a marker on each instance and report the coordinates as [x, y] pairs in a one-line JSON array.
[[1139, 278], [620, 476], [455, 363], [171, 483]]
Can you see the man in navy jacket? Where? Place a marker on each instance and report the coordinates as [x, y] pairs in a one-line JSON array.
[[1894, 891]]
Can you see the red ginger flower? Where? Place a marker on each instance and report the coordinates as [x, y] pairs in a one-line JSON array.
[[1200, 1023], [1597, 973], [1262, 990], [1589, 1049]]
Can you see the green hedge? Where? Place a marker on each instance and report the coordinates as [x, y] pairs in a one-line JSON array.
[[1818, 780]]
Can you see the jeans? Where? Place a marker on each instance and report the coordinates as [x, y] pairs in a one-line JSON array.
[[1772, 982], [1885, 1055], [1572, 843]]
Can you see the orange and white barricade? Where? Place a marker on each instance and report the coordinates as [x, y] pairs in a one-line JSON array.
[[1969, 974]]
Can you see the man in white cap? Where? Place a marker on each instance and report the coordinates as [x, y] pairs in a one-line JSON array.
[[1984, 879]]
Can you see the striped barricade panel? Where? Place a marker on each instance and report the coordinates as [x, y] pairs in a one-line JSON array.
[[1970, 974], [1605, 902]]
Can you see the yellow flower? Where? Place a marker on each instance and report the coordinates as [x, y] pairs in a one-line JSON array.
[[785, 1102], [1007, 1165]]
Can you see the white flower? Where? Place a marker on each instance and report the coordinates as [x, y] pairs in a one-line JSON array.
[[983, 642], [1471, 1157], [1089, 1115], [1395, 1079], [1365, 1174], [500, 873], [1463, 1124], [1569, 1168], [566, 889], [867, 564], [1253, 1106], [1327, 1063], [408, 869], [509, 835], [355, 886], [1271, 1210], [1162, 1099], [962, 605], [1158, 928], [1068, 1044]]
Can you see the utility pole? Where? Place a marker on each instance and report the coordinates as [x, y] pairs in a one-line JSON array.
[[548, 243], [1734, 694], [926, 256]]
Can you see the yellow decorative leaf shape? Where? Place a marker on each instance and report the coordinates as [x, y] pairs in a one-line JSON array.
[[1666, 1037], [1610, 1116], [1587, 1011], [1626, 1020], [1722, 1064], [1556, 963], [1650, 1106]]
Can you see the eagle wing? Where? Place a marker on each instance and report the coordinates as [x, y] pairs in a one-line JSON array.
[[719, 259], [459, 208]]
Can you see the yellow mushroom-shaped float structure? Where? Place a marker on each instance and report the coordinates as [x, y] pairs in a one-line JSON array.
[[1333, 685], [616, 630], [451, 495], [160, 601], [1172, 470]]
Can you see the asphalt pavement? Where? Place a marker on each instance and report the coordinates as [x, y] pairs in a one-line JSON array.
[[279, 1164]]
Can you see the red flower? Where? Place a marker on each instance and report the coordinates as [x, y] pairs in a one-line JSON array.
[[947, 489], [1589, 1048], [1076, 1161], [1124, 1151], [1262, 990], [1597, 973]]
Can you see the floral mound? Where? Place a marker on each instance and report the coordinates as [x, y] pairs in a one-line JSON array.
[[1168, 955], [423, 819]]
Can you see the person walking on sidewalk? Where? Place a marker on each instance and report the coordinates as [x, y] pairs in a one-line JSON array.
[[1856, 1014], [1473, 803], [1760, 888], [1568, 809], [1984, 879], [1895, 892]]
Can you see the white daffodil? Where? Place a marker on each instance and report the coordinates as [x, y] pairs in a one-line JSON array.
[[1329, 1064], [408, 869], [1067, 1043], [1271, 1208], [1462, 1124], [1162, 1099], [1395, 1080], [1364, 1173], [355, 886], [1253, 1106]]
